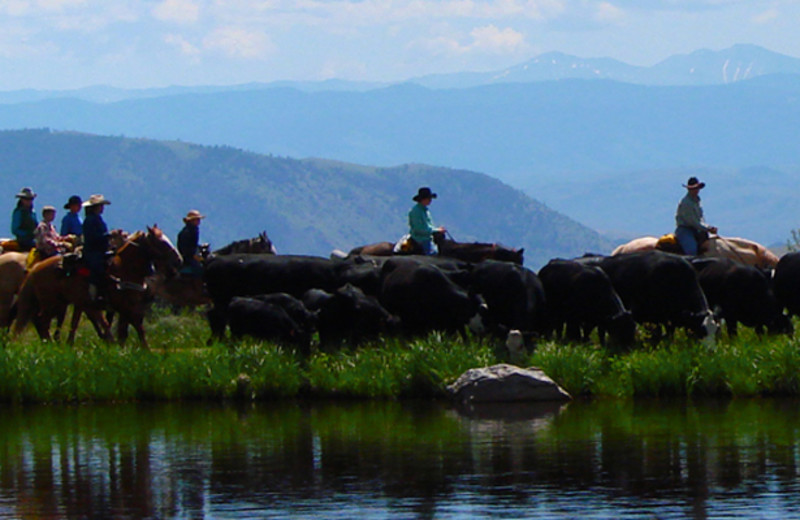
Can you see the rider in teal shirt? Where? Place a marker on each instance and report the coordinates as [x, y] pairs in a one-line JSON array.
[[420, 222]]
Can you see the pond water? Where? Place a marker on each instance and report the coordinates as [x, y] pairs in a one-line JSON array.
[[736, 459]]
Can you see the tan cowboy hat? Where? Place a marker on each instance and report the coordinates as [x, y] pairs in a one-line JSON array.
[[193, 215], [26, 193], [48, 208], [96, 200]]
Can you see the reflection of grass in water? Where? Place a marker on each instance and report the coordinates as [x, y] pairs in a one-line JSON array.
[[180, 366]]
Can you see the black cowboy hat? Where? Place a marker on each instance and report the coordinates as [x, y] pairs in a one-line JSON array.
[[73, 200], [693, 183], [424, 193]]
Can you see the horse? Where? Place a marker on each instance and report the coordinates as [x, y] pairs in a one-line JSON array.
[[477, 251], [12, 274], [466, 251], [260, 245], [186, 291], [737, 249], [49, 289]]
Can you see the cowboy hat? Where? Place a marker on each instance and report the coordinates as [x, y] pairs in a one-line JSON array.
[[694, 184], [96, 200], [424, 193], [73, 200], [48, 208], [26, 193], [193, 215]]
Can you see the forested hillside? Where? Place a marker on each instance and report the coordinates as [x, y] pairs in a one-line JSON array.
[[306, 206]]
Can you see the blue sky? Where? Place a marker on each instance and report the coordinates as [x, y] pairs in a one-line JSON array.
[[62, 44]]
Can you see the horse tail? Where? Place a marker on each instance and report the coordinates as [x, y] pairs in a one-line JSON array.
[[24, 308]]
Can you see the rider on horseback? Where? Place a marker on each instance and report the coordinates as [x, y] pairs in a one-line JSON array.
[[188, 244], [23, 220], [420, 222], [95, 243], [691, 230], [48, 241], [71, 223]]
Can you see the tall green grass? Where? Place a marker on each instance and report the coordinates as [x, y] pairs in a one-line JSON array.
[[180, 366]]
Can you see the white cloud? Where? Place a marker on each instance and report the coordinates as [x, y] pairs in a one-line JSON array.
[[182, 44], [239, 42], [178, 11], [487, 39], [609, 13], [492, 39], [766, 16], [59, 5], [381, 12], [17, 43]]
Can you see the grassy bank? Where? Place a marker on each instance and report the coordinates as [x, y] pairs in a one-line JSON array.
[[180, 366]]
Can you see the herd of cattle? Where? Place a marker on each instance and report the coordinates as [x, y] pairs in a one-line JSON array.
[[288, 298]]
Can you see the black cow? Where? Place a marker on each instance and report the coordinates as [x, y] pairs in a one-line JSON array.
[[786, 281], [743, 294], [457, 271], [269, 321], [249, 275], [582, 297], [348, 315], [294, 307], [426, 299], [513, 294], [660, 289]]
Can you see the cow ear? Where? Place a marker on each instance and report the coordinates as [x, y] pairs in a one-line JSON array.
[[149, 229], [521, 250]]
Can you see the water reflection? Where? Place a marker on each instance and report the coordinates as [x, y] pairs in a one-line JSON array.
[[598, 460]]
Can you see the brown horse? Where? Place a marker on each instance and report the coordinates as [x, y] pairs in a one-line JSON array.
[[477, 251], [12, 274], [188, 291], [49, 289], [466, 251], [260, 245]]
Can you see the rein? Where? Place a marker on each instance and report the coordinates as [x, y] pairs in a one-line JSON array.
[[732, 248]]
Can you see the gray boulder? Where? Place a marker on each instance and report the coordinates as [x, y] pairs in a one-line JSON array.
[[505, 383]]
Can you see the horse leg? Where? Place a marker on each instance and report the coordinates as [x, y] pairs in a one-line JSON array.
[[122, 330], [42, 323], [61, 315], [101, 326], [73, 327], [138, 325]]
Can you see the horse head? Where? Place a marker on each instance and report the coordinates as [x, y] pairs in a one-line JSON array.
[[163, 254], [262, 245]]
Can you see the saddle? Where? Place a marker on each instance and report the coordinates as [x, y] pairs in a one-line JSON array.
[[406, 246], [73, 265], [669, 243]]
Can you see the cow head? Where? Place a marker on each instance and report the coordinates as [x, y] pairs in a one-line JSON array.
[[702, 325], [782, 324], [622, 328]]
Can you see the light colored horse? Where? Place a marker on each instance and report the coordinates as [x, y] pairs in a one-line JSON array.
[[12, 274], [737, 249]]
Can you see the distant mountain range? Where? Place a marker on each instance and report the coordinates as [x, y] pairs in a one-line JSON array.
[[306, 206], [516, 132], [702, 67]]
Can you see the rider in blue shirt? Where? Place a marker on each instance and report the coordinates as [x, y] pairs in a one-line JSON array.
[[71, 223]]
